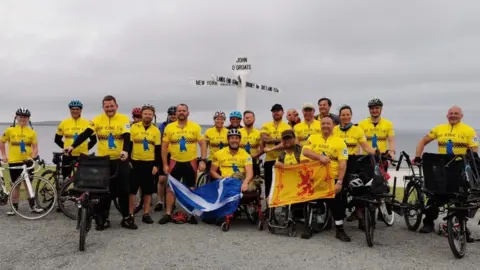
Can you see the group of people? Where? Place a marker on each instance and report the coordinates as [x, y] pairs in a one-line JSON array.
[[145, 154]]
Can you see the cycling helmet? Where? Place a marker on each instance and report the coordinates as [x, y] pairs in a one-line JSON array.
[[234, 132], [375, 102], [219, 114], [236, 114], [172, 110], [75, 103], [148, 107], [357, 182], [137, 111], [23, 112]]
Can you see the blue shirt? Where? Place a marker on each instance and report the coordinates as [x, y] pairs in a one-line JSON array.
[[162, 127]]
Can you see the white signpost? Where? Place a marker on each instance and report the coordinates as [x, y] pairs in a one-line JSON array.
[[241, 68]]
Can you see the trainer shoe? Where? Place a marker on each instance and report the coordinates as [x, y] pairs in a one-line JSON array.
[[427, 228], [158, 207], [165, 219], [341, 235], [147, 219], [36, 209], [11, 213], [129, 223], [192, 220]]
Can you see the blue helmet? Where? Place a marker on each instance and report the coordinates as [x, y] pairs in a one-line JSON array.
[[236, 114], [75, 103]]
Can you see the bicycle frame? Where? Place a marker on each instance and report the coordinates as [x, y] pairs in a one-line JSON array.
[[23, 176]]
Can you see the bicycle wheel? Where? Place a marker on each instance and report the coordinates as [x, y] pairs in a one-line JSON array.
[[369, 223], [50, 176], [388, 216], [83, 228], [202, 179], [457, 235], [413, 199], [117, 204], [67, 200], [33, 206]]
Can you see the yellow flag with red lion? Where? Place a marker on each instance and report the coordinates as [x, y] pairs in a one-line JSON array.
[[301, 183]]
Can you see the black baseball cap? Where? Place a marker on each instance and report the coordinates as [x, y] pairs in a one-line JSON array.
[[288, 134], [276, 107]]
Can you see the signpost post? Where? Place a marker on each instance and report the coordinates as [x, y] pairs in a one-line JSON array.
[[241, 69]]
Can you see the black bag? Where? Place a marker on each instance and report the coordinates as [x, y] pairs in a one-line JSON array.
[[441, 180], [93, 174]]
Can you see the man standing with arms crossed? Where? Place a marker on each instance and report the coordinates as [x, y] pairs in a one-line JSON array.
[[180, 139]]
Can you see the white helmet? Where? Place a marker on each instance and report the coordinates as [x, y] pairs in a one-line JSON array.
[[357, 182]]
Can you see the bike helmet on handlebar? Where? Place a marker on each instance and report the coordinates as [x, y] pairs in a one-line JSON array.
[[356, 183], [219, 114], [375, 102], [136, 111], [75, 104], [236, 114], [23, 112], [172, 110], [234, 132]]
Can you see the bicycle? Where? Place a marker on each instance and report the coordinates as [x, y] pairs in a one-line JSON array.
[[27, 180]]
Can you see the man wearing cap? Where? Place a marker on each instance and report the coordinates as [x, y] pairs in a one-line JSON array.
[[292, 117], [309, 126], [324, 105], [271, 134]]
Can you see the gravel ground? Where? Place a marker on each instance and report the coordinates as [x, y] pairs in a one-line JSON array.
[[52, 243]]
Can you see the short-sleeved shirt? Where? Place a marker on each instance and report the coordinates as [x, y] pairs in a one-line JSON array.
[[230, 164], [274, 132], [20, 141], [216, 140], [182, 141], [110, 132], [377, 134], [333, 147], [454, 140], [291, 157], [304, 130], [70, 128], [352, 138], [250, 140], [144, 141]]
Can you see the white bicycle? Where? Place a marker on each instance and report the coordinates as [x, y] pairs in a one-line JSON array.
[[34, 208]]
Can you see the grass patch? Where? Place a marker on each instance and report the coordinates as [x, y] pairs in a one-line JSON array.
[[8, 182]]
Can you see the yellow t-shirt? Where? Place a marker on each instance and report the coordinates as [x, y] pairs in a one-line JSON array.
[[454, 140], [109, 133], [274, 132], [304, 130], [352, 138], [333, 147], [216, 140], [182, 142], [377, 135], [70, 129], [290, 159], [20, 141], [230, 164], [250, 141], [144, 141]]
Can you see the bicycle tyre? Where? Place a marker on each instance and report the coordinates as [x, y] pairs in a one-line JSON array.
[[451, 234], [387, 218], [202, 179], [117, 204], [419, 206], [50, 176], [63, 193], [83, 228], [369, 220], [47, 210]]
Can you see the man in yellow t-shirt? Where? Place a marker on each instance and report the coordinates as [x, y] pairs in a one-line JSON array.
[[251, 140], [68, 131], [180, 139], [145, 160], [453, 138], [309, 126], [330, 150], [271, 137]]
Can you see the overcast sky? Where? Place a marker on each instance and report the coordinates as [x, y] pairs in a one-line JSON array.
[[419, 57]]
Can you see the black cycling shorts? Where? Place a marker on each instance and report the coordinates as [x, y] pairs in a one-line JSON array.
[[185, 172], [256, 167], [141, 176], [15, 173]]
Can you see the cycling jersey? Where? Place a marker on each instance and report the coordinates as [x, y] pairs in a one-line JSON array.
[[230, 164], [70, 129], [377, 134], [144, 141], [182, 141], [352, 138], [250, 140], [216, 139], [333, 147], [454, 139], [20, 141], [274, 132], [304, 130], [110, 132]]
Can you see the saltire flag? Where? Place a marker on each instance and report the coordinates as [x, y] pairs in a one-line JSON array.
[[213, 200], [301, 183]]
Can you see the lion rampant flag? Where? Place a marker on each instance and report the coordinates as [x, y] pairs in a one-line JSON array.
[[301, 183]]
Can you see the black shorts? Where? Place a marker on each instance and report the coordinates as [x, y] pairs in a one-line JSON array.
[[256, 167], [185, 172], [15, 173], [141, 176], [160, 170]]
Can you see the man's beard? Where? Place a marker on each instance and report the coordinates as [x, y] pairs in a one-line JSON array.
[[147, 122]]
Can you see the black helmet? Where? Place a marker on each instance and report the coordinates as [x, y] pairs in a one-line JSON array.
[[23, 112], [172, 110], [375, 102], [234, 132]]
